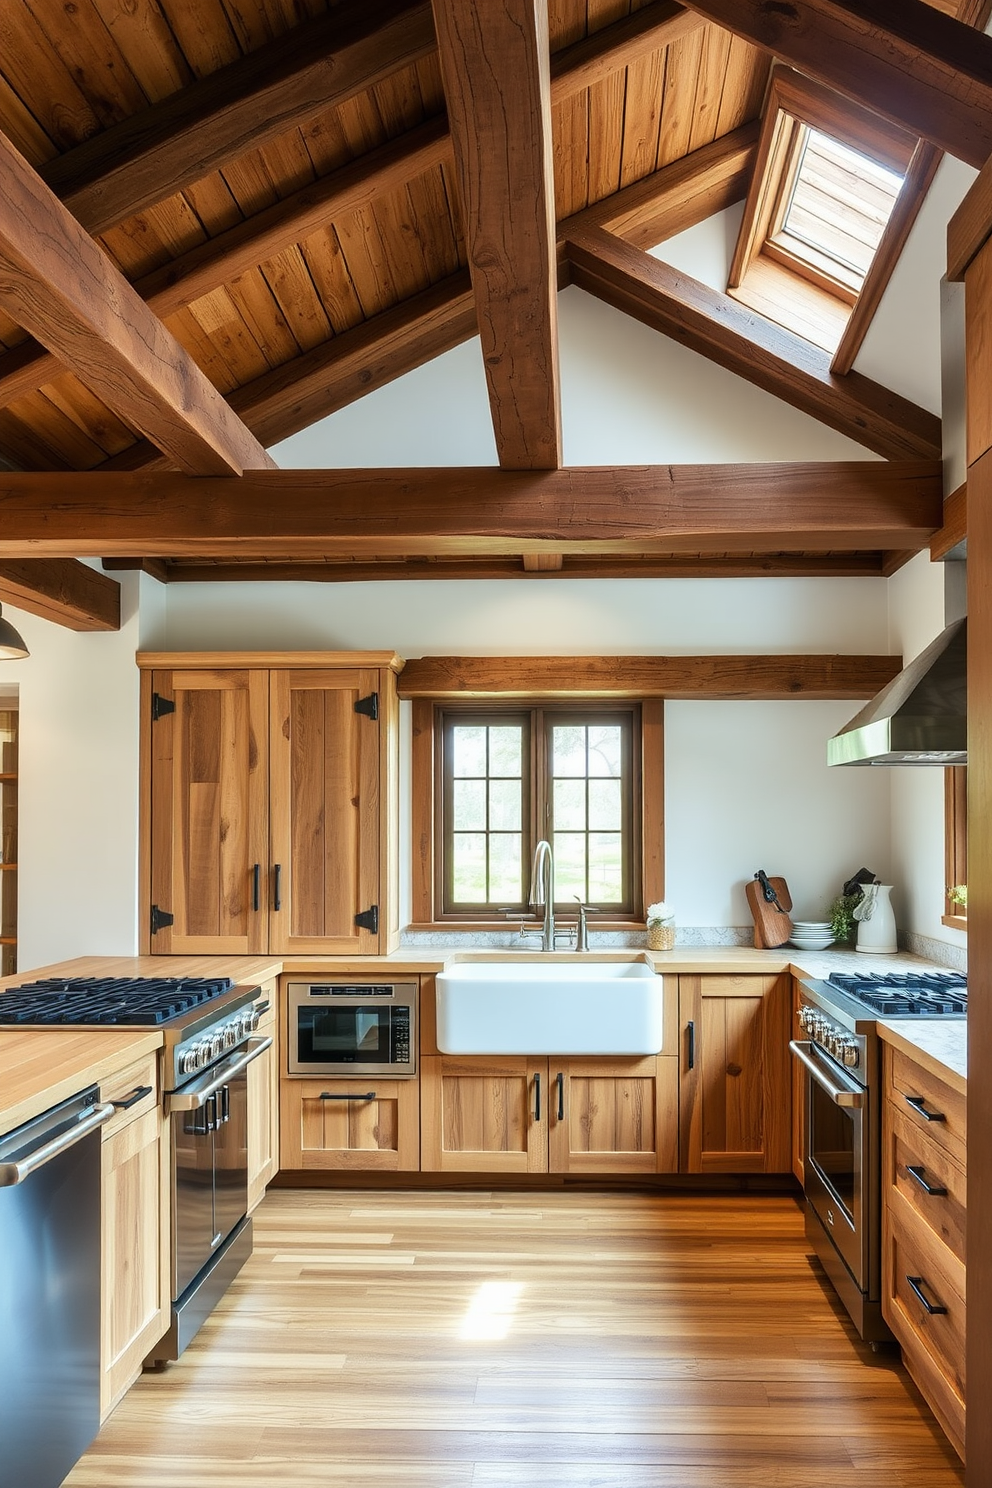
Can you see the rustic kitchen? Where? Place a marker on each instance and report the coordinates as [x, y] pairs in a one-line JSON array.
[[408, 1069]]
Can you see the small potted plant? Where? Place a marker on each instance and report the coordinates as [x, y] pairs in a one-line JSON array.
[[958, 895], [660, 920]]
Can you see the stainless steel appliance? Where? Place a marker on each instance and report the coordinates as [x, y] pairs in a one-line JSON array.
[[50, 1291], [207, 1026], [352, 1028], [842, 1142]]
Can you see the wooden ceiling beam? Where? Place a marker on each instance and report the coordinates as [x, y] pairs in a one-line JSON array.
[[62, 590], [27, 367], [825, 507], [675, 566], [716, 677], [152, 155], [497, 85], [57, 283], [954, 531], [739, 339], [924, 70]]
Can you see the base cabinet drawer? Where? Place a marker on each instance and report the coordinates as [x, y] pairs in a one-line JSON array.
[[926, 1178], [368, 1125]]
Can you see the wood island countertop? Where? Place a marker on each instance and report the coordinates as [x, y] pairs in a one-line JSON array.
[[41, 1066]]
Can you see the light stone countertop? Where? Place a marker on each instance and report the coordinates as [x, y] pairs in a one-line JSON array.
[[940, 1045]]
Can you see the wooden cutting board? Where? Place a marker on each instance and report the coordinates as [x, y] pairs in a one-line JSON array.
[[771, 927]]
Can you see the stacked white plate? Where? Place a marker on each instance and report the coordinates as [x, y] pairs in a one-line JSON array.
[[811, 935]]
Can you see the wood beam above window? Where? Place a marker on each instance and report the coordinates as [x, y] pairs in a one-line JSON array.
[[57, 283], [924, 70], [826, 507], [497, 85]]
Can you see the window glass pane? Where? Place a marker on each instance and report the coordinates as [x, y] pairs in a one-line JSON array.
[[505, 751], [468, 749], [570, 805], [568, 749], [504, 868], [604, 750], [604, 805], [605, 868], [469, 867], [504, 806], [468, 802], [570, 865]]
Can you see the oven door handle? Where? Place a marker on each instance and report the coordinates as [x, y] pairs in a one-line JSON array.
[[198, 1092], [841, 1095]]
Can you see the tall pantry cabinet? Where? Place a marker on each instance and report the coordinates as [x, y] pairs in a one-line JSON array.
[[269, 802]]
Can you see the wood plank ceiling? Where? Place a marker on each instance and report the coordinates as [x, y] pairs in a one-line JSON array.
[[277, 180]]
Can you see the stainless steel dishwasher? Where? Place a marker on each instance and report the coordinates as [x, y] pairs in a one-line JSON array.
[[50, 1291]]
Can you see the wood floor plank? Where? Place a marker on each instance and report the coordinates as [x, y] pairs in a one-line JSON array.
[[481, 1339]]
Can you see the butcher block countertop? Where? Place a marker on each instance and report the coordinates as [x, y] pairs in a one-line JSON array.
[[41, 1066]]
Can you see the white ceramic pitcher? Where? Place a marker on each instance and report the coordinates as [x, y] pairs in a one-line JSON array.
[[876, 922]]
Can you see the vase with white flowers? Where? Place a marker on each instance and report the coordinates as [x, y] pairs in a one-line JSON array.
[[660, 920]]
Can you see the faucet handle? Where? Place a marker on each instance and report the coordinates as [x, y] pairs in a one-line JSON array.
[[582, 926]]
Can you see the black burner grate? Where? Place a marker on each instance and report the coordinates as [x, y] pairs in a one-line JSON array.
[[107, 1000], [906, 994]]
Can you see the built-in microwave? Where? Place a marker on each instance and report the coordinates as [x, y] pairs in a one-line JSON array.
[[352, 1028]]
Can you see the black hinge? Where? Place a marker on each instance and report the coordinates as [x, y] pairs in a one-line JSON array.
[[369, 920], [368, 705], [161, 706], [161, 919]]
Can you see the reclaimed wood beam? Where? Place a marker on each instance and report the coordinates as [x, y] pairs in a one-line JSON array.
[[26, 367], [954, 531], [823, 507], [62, 590], [57, 283], [154, 154], [675, 677], [497, 86], [924, 70], [744, 342]]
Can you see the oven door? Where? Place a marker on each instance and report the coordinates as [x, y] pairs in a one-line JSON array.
[[835, 1163], [352, 1035]]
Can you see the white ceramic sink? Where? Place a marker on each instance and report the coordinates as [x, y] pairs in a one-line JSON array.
[[537, 1006]]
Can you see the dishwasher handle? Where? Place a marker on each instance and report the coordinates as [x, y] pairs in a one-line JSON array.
[[198, 1092], [12, 1173], [841, 1095]]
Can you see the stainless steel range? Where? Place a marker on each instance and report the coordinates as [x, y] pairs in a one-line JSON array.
[[842, 1140], [207, 1026]]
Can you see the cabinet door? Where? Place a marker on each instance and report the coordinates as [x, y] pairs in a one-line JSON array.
[[135, 1227], [617, 1116], [735, 1089], [366, 1125], [209, 832], [325, 812], [263, 1112], [483, 1115]]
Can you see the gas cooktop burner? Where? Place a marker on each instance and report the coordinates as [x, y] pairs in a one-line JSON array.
[[906, 994], [108, 1000]]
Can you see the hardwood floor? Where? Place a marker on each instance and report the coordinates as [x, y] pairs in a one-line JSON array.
[[649, 1341]]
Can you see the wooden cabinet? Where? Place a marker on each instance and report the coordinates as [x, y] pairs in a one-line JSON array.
[[263, 1107], [483, 1115], [368, 1125], [135, 1229], [613, 1116], [270, 803], [923, 1232], [735, 1091]]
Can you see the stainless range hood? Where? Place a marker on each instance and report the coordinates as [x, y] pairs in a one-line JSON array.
[[920, 718]]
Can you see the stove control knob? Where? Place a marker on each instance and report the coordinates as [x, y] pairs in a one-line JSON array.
[[187, 1062], [851, 1054]]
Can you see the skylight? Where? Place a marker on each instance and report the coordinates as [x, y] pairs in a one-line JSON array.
[[834, 215]]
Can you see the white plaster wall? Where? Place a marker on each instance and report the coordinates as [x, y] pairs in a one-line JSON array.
[[78, 791], [916, 615]]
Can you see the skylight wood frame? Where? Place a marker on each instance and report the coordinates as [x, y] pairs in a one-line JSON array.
[[795, 104]]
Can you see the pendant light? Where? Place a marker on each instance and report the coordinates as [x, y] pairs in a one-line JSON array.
[[12, 647]]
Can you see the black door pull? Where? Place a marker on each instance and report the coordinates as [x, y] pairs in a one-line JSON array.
[[917, 1102], [560, 1082], [256, 878], [917, 1171], [368, 1096], [137, 1094], [277, 887], [691, 1042], [537, 1097], [916, 1285]]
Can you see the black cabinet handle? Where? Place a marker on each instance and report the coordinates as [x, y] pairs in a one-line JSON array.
[[256, 886], [917, 1102], [691, 1059], [138, 1093], [277, 887], [368, 1096], [537, 1097], [933, 1308], [560, 1082], [917, 1170]]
